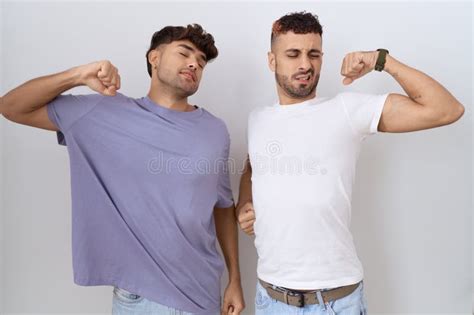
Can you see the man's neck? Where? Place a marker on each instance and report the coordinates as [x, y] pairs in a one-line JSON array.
[[166, 98], [288, 100]]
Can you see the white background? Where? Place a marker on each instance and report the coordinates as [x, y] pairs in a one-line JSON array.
[[412, 204]]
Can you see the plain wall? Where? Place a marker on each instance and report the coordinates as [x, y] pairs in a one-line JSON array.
[[412, 200], [1, 165]]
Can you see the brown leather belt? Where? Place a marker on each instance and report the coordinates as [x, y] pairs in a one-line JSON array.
[[300, 299]]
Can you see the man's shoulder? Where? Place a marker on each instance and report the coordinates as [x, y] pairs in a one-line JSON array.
[[259, 109], [214, 120], [119, 97], [119, 100], [96, 98], [354, 94]]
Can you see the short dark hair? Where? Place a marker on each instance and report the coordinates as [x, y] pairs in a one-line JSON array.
[[193, 32], [298, 23]]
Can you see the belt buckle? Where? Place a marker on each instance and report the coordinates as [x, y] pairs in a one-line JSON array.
[[301, 298]]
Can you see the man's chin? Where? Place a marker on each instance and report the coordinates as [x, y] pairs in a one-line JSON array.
[[301, 93], [189, 92], [188, 89]]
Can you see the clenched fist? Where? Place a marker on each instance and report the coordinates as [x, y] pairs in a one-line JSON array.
[[246, 217], [357, 64], [100, 76]]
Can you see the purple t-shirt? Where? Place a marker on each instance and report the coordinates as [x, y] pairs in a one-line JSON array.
[[145, 180]]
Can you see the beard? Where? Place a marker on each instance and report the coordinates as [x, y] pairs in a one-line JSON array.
[[175, 82], [300, 91]]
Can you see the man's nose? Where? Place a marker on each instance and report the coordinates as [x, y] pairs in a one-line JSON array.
[[192, 65], [305, 64]]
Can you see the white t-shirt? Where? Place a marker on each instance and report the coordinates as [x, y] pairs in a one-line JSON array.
[[303, 159]]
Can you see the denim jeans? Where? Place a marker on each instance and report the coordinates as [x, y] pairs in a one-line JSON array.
[[127, 303], [352, 304]]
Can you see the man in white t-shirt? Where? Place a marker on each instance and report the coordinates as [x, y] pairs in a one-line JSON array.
[[295, 193]]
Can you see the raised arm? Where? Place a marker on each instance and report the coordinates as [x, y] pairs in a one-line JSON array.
[[428, 104], [26, 104]]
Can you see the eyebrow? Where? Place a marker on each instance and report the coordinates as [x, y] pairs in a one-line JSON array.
[[203, 57], [294, 50]]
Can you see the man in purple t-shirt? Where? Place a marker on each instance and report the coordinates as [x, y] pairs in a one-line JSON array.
[[150, 184]]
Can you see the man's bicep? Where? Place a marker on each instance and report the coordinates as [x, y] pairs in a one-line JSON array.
[[38, 118], [402, 114]]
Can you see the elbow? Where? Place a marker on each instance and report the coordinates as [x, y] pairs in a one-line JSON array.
[[460, 111], [10, 117], [11, 112], [5, 112], [2, 105], [5, 109], [453, 115], [456, 113]]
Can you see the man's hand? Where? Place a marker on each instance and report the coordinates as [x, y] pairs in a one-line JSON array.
[[100, 76], [357, 64], [233, 299], [246, 217]]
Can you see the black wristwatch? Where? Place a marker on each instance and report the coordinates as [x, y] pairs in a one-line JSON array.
[[379, 65]]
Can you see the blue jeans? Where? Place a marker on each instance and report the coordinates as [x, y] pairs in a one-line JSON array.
[[352, 304], [127, 303]]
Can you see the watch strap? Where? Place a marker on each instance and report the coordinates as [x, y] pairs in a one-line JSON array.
[[381, 58]]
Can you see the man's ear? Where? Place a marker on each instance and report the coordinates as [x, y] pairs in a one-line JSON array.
[[154, 57], [271, 61]]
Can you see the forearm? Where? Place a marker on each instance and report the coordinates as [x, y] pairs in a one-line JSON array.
[[422, 89], [38, 92], [245, 188], [226, 230]]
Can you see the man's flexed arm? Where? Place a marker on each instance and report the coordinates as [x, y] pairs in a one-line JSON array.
[[26, 104], [428, 104]]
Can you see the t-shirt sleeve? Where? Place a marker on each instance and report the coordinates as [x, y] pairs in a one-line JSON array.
[[65, 110], [363, 111], [225, 198]]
